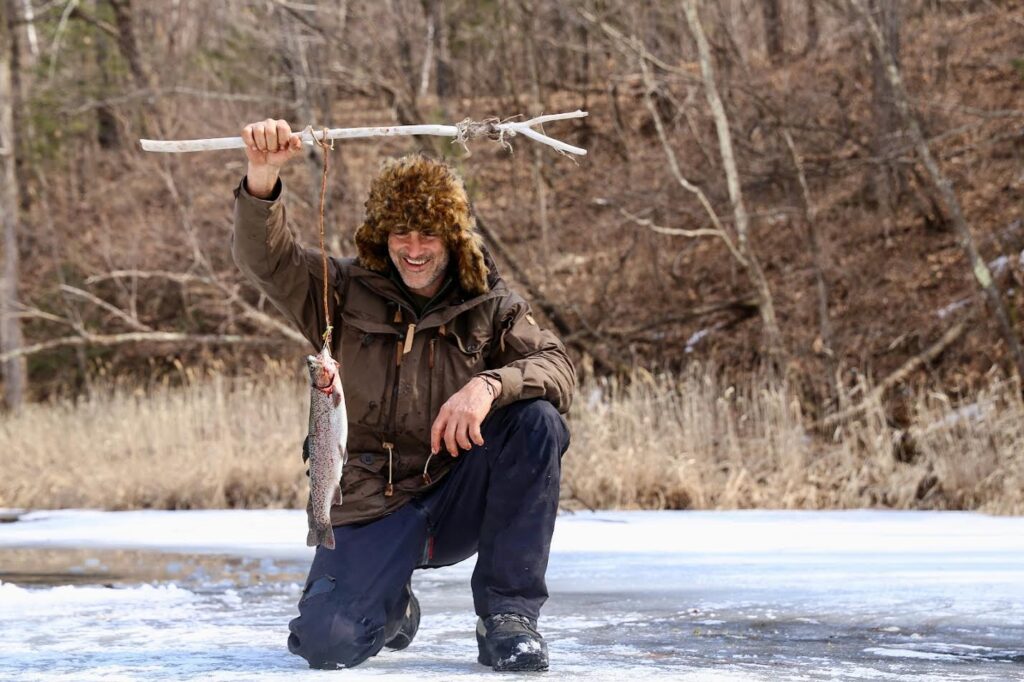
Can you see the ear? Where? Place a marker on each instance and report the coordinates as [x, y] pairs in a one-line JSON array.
[[472, 269], [371, 247]]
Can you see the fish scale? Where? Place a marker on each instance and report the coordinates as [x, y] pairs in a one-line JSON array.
[[327, 439]]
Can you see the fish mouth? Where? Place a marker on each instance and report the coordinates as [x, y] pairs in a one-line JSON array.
[[326, 381], [321, 374]]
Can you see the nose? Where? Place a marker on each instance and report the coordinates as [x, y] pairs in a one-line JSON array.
[[415, 245]]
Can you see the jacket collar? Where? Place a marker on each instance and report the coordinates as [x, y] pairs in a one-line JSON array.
[[454, 303]]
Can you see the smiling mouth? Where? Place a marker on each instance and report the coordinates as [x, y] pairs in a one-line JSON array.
[[415, 263]]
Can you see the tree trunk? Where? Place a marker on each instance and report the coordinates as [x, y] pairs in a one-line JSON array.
[[530, 28], [771, 11], [813, 31], [14, 369], [129, 44], [818, 263], [107, 134], [444, 75], [943, 187], [886, 181], [766, 305]]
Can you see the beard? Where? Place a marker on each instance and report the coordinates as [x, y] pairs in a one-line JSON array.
[[422, 273]]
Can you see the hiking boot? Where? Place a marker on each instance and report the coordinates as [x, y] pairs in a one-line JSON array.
[[401, 633], [510, 642]]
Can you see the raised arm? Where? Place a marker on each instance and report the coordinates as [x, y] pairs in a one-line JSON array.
[[263, 246]]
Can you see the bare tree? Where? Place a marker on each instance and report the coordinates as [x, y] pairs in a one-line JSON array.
[[817, 260], [14, 373], [437, 44], [741, 218], [886, 179], [813, 31], [771, 13]]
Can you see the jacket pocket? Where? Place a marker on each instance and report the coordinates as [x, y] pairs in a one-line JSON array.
[[367, 361], [361, 478], [453, 359]]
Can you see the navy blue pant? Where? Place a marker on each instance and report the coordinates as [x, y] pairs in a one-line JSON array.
[[500, 500]]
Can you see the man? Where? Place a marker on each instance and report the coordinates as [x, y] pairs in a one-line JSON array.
[[453, 393]]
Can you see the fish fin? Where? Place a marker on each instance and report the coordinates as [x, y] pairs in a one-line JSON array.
[[328, 538], [337, 496], [312, 540]]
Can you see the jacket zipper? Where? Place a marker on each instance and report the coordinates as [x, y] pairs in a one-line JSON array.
[[402, 347]]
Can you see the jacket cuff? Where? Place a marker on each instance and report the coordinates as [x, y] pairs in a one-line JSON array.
[[511, 380]]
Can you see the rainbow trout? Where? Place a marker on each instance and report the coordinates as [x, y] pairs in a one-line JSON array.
[[326, 444]]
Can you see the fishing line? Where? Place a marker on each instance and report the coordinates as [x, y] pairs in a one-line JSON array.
[[323, 249]]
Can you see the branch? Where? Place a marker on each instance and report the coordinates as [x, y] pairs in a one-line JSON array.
[[180, 277], [113, 310], [620, 38], [249, 310], [745, 307], [905, 370], [673, 164], [135, 337], [680, 232], [463, 131]]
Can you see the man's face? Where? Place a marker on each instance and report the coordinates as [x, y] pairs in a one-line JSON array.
[[421, 260]]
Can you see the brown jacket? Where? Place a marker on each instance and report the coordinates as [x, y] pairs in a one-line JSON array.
[[397, 368]]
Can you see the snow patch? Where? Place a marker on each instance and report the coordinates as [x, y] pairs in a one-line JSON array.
[[910, 653], [527, 647], [948, 310], [695, 338], [36, 600]]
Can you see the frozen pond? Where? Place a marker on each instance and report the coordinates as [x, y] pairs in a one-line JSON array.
[[673, 595]]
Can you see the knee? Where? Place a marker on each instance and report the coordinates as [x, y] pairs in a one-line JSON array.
[[534, 431], [331, 639], [544, 428], [534, 413]]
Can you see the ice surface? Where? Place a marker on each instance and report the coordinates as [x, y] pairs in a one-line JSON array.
[[673, 595]]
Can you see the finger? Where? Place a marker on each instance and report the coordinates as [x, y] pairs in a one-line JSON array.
[[247, 137], [436, 430], [462, 435], [284, 135], [271, 128], [449, 438], [474, 432], [259, 134], [296, 141]]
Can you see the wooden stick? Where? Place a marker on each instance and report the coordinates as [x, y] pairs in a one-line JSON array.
[[504, 130]]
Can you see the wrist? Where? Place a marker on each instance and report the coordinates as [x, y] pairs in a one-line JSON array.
[[492, 385], [260, 181]]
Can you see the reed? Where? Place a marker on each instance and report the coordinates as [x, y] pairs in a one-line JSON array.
[[691, 441]]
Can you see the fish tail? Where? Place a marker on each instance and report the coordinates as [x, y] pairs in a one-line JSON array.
[[321, 536]]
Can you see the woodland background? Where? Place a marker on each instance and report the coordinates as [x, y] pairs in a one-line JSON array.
[[789, 269]]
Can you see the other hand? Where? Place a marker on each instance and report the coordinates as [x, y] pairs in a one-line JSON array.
[[458, 422]]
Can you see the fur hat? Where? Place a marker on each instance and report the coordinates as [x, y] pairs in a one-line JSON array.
[[418, 193]]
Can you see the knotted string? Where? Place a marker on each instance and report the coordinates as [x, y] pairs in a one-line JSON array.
[[324, 146]]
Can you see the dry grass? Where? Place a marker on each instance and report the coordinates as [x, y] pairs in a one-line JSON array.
[[689, 441], [695, 442], [215, 443]]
